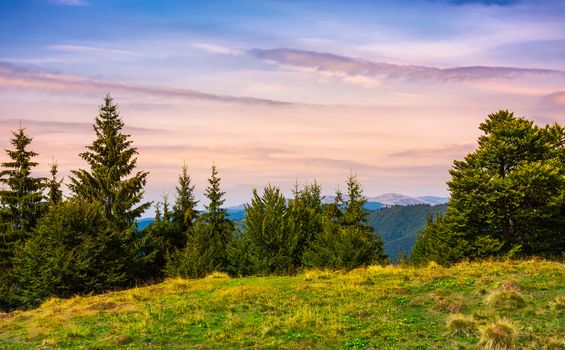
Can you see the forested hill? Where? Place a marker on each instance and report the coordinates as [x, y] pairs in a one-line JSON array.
[[399, 225]]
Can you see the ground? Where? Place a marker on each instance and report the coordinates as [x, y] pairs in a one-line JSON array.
[[467, 306]]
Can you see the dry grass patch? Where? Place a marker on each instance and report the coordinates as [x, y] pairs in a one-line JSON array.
[[498, 335], [459, 324]]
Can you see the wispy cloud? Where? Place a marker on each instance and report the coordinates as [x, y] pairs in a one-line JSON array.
[[556, 99], [70, 2], [449, 151], [217, 49], [18, 77], [353, 67], [51, 126], [96, 52]]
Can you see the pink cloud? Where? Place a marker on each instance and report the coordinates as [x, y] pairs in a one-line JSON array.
[[327, 62]]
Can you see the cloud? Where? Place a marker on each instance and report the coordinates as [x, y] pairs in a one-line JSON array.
[[50, 126], [95, 52], [69, 2], [18, 77], [217, 49], [556, 99], [353, 67], [450, 151], [484, 2]]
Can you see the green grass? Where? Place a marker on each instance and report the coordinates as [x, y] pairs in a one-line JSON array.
[[372, 308]]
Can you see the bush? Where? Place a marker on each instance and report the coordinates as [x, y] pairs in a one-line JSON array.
[[75, 249], [459, 324]]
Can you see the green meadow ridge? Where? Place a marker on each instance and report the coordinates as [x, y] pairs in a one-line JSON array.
[[465, 306]]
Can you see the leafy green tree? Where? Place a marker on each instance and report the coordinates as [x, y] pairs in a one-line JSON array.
[[112, 159], [507, 197], [206, 249], [54, 193], [20, 198], [75, 249], [184, 209]]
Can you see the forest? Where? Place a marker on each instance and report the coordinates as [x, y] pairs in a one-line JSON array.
[[507, 202]]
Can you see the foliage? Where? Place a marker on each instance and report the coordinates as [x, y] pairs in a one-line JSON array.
[[507, 197], [112, 159], [75, 249]]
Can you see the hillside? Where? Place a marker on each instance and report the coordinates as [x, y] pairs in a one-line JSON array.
[[371, 308], [399, 225]]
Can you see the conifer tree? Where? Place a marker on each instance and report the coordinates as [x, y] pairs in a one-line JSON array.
[[111, 158], [266, 226], [54, 194], [184, 209], [20, 197], [507, 196], [206, 249], [22, 193]]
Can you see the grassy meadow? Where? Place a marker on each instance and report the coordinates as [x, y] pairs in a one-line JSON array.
[[488, 305]]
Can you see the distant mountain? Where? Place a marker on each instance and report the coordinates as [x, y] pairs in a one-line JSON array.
[[143, 223], [400, 225], [434, 200], [236, 213], [396, 199]]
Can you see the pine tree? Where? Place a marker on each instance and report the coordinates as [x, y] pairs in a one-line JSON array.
[[210, 236], [346, 240], [266, 226], [20, 198], [54, 194], [22, 194], [112, 159], [184, 209]]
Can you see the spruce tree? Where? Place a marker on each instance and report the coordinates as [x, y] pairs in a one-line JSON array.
[[20, 198], [184, 209], [22, 193], [210, 236], [54, 193], [111, 158]]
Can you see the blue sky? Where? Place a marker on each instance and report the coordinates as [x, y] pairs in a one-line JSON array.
[[281, 91]]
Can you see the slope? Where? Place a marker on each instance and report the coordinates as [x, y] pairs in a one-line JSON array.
[[370, 308]]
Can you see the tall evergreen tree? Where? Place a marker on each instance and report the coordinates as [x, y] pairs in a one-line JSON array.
[[266, 226], [22, 193], [184, 209], [507, 196], [54, 193], [206, 249], [112, 159], [20, 197], [346, 240]]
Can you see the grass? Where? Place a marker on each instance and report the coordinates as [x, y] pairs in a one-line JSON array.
[[467, 306]]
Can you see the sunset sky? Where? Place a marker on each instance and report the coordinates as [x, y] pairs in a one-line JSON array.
[[280, 91]]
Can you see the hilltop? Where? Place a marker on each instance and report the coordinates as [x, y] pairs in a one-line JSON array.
[[370, 308]]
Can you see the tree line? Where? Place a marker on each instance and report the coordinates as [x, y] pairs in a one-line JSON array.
[[89, 242], [507, 200]]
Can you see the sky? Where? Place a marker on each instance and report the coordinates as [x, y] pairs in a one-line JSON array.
[[279, 92]]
